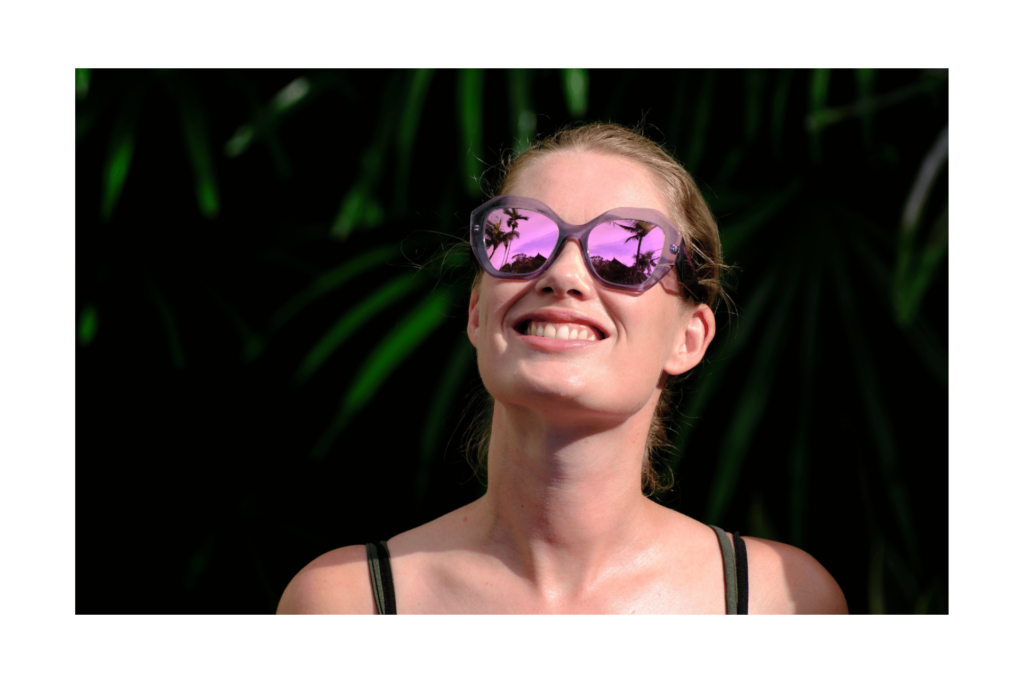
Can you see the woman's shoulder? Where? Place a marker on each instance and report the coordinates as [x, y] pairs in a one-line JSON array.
[[783, 579], [337, 582]]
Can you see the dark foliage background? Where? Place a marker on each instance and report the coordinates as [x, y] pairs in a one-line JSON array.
[[265, 371]]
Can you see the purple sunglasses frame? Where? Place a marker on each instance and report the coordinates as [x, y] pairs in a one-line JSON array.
[[578, 233]]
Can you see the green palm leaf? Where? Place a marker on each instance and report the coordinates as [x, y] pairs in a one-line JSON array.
[[88, 323], [877, 417], [751, 406], [359, 207], [82, 83], [452, 377], [121, 150], [575, 83], [717, 368], [471, 118], [416, 95], [331, 281], [349, 323], [197, 143], [692, 155], [524, 120], [402, 340]]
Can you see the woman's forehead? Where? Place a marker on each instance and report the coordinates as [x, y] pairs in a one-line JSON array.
[[580, 186]]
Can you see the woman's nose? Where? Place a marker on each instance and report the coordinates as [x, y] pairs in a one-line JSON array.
[[568, 275]]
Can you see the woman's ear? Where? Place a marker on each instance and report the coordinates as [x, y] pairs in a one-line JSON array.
[[695, 334], [473, 326]]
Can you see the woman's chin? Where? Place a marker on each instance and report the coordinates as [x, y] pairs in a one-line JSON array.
[[566, 395]]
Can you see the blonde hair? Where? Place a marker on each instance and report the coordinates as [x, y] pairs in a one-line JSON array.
[[688, 211]]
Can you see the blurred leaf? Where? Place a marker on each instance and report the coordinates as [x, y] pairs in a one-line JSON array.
[[197, 143], [757, 81], [817, 100], [926, 598], [779, 100], [289, 95], [266, 118], [199, 563], [716, 369], [914, 285], [416, 95], [121, 149], [471, 117], [823, 117], [876, 579], [730, 165], [575, 83], [524, 120], [358, 209], [331, 281], [453, 375], [239, 142], [736, 233], [799, 474], [752, 403], [692, 155], [904, 577], [358, 206], [865, 91], [84, 121], [614, 100], [170, 327], [819, 89], [81, 83], [88, 322], [928, 347], [760, 526], [271, 594], [349, 323], [914, 271], [878, 418], [799, 461], [679, 110], [242, 329], [408, 334]]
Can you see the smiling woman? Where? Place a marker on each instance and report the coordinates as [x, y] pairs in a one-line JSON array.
[[600, 266]]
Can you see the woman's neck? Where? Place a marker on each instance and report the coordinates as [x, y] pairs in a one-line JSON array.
[[564, 503]]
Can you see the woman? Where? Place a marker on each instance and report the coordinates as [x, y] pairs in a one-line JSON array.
[[577, 337]]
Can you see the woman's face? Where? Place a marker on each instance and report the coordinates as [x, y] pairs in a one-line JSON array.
[[638, 336]]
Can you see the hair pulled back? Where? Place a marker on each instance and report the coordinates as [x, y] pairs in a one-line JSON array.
[[687, 209]]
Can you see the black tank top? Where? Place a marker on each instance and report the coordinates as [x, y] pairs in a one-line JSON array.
[[735, 561]]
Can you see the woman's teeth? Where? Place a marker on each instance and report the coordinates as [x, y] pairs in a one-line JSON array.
[[563, 331]]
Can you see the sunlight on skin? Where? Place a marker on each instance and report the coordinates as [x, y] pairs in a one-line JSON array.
[[564, 527], [570, 424], [647, 333]]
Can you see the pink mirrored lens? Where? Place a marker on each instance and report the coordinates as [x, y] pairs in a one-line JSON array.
[[518, 240], [626, 252]]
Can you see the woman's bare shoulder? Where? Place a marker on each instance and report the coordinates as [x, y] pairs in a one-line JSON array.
[[783, 579], [337, 582]]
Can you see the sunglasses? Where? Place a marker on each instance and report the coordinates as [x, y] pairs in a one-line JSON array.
[[626, 249]]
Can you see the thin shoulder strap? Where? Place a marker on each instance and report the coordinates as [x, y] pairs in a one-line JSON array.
[[736, 589], [379, 559], [731, 592], [741, 573]]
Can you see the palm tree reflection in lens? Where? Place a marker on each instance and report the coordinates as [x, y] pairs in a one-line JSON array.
[[609, 269]]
